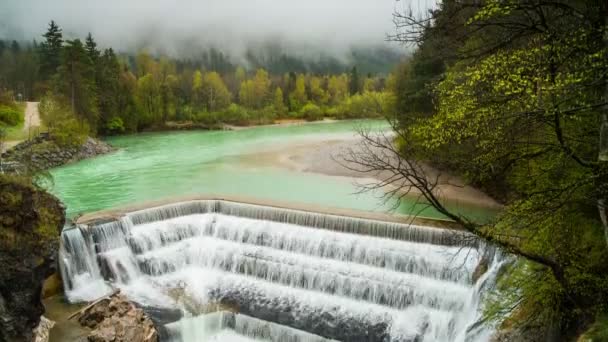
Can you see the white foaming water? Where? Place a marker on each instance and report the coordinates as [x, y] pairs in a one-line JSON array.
[[291, 275]]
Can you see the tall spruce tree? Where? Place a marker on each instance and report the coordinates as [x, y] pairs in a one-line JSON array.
[[108, 86], [353, 85], [50, 51], [76, 81], [91, 47]]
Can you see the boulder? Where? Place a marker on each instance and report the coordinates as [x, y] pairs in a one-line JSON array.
[[30, 224], [480, 269], [42, 331], [116, 319]]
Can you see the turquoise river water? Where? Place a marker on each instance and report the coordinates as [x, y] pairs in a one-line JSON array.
[[154, 166]]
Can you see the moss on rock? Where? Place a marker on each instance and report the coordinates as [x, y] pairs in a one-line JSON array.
[[30, 225]]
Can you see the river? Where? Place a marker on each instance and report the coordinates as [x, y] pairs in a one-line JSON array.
[[154, 166]]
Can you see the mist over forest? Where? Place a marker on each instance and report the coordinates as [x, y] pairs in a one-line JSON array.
[[316, 36]]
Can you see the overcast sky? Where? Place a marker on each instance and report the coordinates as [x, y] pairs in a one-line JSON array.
[[232, 25]]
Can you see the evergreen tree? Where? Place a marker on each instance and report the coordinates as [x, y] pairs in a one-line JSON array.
[[91, 47], [108, 91], [50, 51], [76, 81], [353, 85], [15, 48]]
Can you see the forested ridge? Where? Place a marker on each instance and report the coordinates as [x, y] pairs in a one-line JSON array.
[[512, 95], [102, 92]]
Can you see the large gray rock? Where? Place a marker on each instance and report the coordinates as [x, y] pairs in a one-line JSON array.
[[30, 223]]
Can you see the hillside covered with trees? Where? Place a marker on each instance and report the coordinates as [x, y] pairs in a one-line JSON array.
[[513, 96], [102, 92]]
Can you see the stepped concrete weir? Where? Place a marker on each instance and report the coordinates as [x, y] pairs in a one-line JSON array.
[[288, 275]]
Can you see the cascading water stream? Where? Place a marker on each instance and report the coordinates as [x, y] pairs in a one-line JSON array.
[[283, 275]]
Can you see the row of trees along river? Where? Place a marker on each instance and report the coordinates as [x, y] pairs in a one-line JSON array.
[[110, 93]]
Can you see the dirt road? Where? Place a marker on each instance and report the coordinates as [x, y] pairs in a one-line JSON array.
[[32, 116]]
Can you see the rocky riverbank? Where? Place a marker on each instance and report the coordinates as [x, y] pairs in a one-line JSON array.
[[42, 153], [30, 224]]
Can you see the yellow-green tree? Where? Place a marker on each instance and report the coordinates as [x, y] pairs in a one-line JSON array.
[[317, 93], [298, 97], [369, 85], [148, 98], [215, 94], [255, 93], [145, 64], [337, 88], [197, 89], [278, 103], [240, 75], [262, 87], [247, 94]]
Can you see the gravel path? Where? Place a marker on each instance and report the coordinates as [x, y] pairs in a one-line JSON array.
[[32, 116]]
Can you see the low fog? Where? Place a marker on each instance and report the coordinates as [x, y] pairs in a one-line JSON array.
[[182, 27]]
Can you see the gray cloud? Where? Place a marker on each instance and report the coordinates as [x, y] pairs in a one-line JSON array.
[[175, 27]]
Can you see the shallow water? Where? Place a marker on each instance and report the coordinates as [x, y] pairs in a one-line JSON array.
[[154, 166]]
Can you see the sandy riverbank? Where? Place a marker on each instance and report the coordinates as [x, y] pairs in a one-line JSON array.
[[321, 156]]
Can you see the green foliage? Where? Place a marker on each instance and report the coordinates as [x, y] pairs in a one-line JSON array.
[[337, 88], [354, 86], [62, 124], [148, 100], [311, 112], [75, 80], [278, 102], [298, 97], [214, 93], [255, 93], [30, 218], [114, 94], [235, 115], [115, 126], [598, 331], [366, 105], [50, 51], [10, 115], [521, 119], [208, 119]]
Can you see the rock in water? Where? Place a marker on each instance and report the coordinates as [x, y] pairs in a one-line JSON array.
[[115, 319], [42, 331], [30, 224]]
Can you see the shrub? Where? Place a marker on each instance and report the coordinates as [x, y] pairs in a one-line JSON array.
[[63, 126], [366, 105], [115, 126], [311, 112], [235, 115], [184, 113], [266, 115], [206, 118], [10, 115]]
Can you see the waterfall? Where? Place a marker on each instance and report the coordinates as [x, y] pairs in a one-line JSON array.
[[284, 275]]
